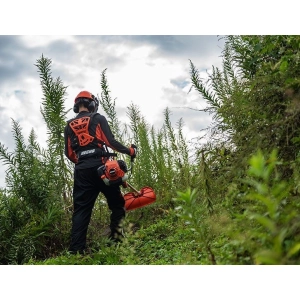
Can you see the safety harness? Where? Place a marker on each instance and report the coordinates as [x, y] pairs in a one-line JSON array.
[[82, 138], [81, 129], [112, 172]]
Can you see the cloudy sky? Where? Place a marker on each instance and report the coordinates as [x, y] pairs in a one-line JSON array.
[[145, 47], [150, 71]]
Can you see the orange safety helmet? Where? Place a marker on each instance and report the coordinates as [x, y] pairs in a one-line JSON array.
[[88, 99], [84, 94]]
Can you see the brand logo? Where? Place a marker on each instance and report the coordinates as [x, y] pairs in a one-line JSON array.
[[87, 152]]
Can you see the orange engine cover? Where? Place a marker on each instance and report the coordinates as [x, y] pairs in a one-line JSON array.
[[135, 200]]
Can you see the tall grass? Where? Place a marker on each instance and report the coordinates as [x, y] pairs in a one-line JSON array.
[[36, 205]]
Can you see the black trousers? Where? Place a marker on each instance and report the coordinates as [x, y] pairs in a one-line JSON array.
[[87, 186]]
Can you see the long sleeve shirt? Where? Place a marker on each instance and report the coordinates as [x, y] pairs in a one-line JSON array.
[[94, 133]]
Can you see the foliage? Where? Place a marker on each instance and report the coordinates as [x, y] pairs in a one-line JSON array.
[[253, 99], [276, 214], [190, 211], [32, 208], [54, 114], [235, 201], [109, 107]]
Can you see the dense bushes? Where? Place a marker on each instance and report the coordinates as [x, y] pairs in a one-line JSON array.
[[36, 206], [236, 201]]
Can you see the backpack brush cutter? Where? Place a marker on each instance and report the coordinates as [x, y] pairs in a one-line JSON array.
[[114, 172]]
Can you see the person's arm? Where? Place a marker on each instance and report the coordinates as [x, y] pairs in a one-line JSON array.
[[103, 132], [69, 152]]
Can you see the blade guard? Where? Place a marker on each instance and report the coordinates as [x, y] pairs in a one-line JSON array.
[[134, 200]]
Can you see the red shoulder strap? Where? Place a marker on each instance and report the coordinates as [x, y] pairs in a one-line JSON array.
[[81, 128]]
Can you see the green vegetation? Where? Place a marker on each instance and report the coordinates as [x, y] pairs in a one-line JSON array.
[[235, 201]]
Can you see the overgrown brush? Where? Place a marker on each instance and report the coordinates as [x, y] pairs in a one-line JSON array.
[[36, 207], [263, 227], [232, 210]]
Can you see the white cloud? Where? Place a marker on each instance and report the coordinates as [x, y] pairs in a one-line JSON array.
[[151, 72]]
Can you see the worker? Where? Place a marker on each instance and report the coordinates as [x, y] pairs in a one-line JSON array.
[[87, 138]]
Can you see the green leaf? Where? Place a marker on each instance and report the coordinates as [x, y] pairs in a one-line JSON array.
[[266, 222], [295, 140], [257, 163], [267, 257], [283, 66], [293, 250]]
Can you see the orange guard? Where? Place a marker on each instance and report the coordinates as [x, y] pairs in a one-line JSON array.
[[136, 200]]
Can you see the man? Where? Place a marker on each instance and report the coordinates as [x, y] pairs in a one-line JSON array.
[[87, 137]]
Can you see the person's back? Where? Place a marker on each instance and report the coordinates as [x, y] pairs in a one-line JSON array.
[[87, 139]]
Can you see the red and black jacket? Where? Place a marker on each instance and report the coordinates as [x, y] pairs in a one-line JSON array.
[[87, 148]]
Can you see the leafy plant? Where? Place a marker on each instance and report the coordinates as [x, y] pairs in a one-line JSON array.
[[190, 211], [273, 211]]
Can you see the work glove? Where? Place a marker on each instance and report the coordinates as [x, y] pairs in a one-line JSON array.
[[133, 151]]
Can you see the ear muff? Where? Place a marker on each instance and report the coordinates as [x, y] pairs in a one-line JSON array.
[[91, 106], [88, 100], [96, 103], [76, 108]]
